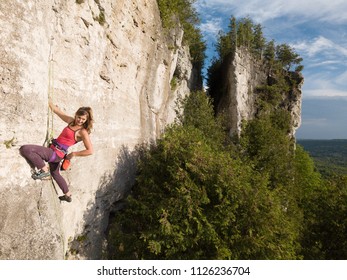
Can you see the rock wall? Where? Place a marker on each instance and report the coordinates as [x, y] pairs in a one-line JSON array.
[[242, 74], [111, 55]]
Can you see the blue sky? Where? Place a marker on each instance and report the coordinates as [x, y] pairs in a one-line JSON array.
[[317, 30]]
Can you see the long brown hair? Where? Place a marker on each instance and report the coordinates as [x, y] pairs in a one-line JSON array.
[[86, 111]]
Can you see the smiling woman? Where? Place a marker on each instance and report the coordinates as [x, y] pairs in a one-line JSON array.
[[78, 129]]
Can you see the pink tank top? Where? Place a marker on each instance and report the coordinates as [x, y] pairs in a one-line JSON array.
[[66, 139]]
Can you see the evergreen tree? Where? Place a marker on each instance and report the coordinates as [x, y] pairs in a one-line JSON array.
[[258, 41], [245, 27], [233, 33], [224, 45], [287, 56], [325, 223], [270, 53]]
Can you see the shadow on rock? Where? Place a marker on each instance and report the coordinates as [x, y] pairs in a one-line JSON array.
[[110, 196]]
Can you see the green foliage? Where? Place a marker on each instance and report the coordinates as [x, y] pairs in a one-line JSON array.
[[198, 112], [196, 199], [270, 53], [197, 46], [198, 196], [224, 45], [173, 83], [307, 179], [326, 221], [330, 156], [245, 33], [287, 56], [265, 141], [323, 201], [10, 143], [271, 95], [174, 12], [258, 43], [299, 68]]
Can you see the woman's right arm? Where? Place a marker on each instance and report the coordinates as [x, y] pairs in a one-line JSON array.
[[60, 113]]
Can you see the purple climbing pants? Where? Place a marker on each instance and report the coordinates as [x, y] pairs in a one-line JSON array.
[[37, 156]]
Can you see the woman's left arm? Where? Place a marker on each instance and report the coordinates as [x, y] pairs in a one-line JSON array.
[[87, 143]]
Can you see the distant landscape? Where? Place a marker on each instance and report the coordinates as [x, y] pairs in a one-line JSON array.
[[330, 156]]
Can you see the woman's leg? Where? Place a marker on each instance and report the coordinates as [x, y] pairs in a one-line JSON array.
[[36, 155], [54, 169]]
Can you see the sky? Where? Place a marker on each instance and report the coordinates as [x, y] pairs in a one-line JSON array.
[[317, 30]]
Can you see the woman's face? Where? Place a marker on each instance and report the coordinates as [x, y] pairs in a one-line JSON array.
[[80, 120]]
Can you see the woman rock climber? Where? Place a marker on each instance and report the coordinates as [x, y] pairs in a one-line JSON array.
[[78, 129]]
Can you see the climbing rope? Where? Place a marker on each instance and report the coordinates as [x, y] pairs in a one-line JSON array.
[[49, 130], [49, 134], [55, 193]]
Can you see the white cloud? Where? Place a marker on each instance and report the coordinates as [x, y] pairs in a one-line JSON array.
[[261, 11], [317, 45], [211, 27], [341, 79], [330, 64], [326, 92], [315, 122], [320, 45]]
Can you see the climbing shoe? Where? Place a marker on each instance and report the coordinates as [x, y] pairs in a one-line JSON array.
[[65, 198], [40, 175]]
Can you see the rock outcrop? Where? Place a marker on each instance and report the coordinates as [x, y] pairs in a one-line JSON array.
[[111, 55], [241, 75]]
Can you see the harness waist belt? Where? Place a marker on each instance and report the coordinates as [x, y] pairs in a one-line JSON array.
[[60, 147]]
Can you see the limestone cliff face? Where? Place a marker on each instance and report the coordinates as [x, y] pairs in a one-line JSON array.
[[110, 55], [241, 75]]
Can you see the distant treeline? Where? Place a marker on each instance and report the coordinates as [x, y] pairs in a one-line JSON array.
[[330, 156]]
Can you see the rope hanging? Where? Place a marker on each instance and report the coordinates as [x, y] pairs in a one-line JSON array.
[[49, 133], [49, 130]]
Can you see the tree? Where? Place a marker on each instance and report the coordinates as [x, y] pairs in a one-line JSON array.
[[325, 220], [258, 41], [224, 45], [287, 56], [270, 53], [233, 33], [265, 141], [245, 32]]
